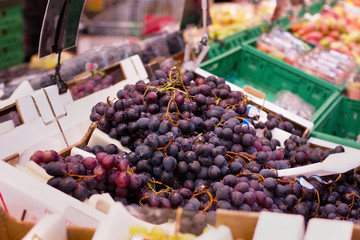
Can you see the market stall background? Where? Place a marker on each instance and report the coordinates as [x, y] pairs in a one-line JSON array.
[[285, 95]]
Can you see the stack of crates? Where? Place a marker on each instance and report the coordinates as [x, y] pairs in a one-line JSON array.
[[11, 34]]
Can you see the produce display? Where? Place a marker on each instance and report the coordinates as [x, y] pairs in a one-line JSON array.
[[176, 147], [230, 18], [282, 45], [196, 144], [93, 84], [336, 29], [330, 65]]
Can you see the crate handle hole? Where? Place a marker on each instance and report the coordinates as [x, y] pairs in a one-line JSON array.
[[355, 116], [2, 14], [3, 32], [4, 50]]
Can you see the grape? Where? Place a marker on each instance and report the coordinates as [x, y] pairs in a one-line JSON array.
[[270, 184], [248, 140], [90, 163], [223, 204], [49, 156], [290, 200], [175, 199], [122, 179], [300, 158], [194, 167], [80, 192], [75, 168], [121, 192], [144, 151], [153, 200], [165, 203], [56, 169], [301, 208], [189, 184], [169, 163], [123, 164], [134, 182], [223, 193], [288, 126], [261, 157], [67, 184], [250, 198], [343, 209], [109, 162], [280, 191], [167, 178], [214, 172], [230, 180], [242, 187], [235, 167], [100, 173], [37, 157], [237, 198], [54, 182]]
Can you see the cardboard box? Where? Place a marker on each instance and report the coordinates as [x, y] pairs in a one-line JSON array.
[[13, 229], [243, 226], [27, 198], [56, 121], [76, 121]]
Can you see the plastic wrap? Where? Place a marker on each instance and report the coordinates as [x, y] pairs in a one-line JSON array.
[[175, 42], [329, 65], [294, 104], [282, 45], [155, 47], [103, 56]]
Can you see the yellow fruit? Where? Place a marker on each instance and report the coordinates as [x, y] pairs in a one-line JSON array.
[[157, 233], [137, 230]]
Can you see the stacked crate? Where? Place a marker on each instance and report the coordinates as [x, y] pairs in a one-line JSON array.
[[11, 34]]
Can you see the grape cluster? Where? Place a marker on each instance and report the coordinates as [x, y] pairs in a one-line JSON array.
[[195, 146], [91, 85], [82, 177]]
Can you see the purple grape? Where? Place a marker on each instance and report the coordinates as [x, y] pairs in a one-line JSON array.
[[122, 179], [67, 185], [100, 173], [90, 163]]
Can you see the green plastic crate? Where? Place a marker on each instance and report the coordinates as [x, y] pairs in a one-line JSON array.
[[10, 16], [246, 65], [10, 34], [314, 8], [236, 40], [340, 123], [14, 59], [11, 53], [283, 22]]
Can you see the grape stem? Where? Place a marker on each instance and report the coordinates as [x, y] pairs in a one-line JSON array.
[[245, 174]]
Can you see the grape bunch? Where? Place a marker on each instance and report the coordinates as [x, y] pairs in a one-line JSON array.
[[195, 146], [82, 177], [91, 85]]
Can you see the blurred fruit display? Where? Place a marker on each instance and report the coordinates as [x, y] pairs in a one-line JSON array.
[[230, 18], [336, 29]]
